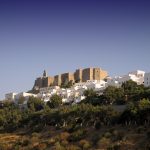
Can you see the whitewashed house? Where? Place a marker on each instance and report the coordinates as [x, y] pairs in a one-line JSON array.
[[147, 79]]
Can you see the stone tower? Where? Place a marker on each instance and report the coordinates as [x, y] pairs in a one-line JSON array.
[[44, 73]]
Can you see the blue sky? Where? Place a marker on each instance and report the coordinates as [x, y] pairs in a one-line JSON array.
[[62, 35]]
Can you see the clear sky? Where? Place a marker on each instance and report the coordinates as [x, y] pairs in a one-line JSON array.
[[62, 35]]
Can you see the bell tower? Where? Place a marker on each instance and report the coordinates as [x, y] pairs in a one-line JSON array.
[[44, 73]]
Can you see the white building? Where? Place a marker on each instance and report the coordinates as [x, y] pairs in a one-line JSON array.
[[51, 89], [76, 92], [147, 79], [10, 96], [16, 96], [136, 76], [46, 92], [138, 73], [24, 94], [73, 94], [91, 84], [113, 81]]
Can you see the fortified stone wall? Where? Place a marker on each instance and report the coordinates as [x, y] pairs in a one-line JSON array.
[[57, 80], [66, 77], [87, 74], [78, 76]]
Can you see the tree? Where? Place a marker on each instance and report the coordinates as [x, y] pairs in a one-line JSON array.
[[133, 91], [144, 104], [120, 99], [129, 115], [8, 103], [114, 94], [55, 101], [35, 104], [144, 111], [146, 93], [67, 84], [91, 97], [109, 93], [90, 93], [129, 86], [10, 117], [21, 100]]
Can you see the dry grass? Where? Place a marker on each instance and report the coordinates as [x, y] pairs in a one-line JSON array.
[[9, 138], [52, 139]]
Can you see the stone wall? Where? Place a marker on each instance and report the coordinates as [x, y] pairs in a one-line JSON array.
[[78, 76]]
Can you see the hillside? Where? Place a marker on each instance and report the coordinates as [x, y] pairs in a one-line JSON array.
[[106, 138], [98, 122]]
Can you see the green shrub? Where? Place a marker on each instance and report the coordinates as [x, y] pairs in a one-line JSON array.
[[103, 143], [16, 147], [85, 144], [37, 128], [107, 135], [40, 146], [64, 143], [117, 136], [51, 141], [73, 128], [77, 135], [58, 146], [3, 146], [35, 134], [64, 136], [23, 142]]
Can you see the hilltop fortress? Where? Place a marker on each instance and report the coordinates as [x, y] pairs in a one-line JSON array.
[[80, 75]]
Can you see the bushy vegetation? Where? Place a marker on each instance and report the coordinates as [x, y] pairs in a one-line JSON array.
[[55, 101], [73, 124], [128, 92]]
